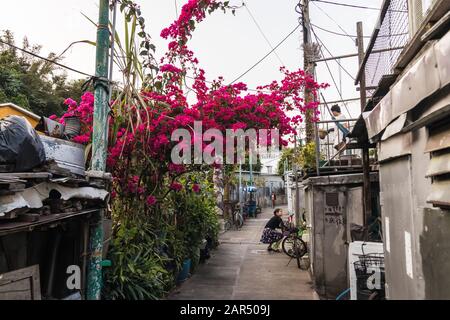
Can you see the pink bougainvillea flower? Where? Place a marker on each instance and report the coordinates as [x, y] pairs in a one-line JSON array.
[[83, 139], [151, 200], [176, 186], [70, 102], [169, 68], [238, 125], [176, 168], [196, 188]]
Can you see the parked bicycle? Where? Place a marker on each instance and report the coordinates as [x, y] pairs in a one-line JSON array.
[[236, 220], [293, 244]]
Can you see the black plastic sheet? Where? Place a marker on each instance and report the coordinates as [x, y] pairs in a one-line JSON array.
[[20, 144]]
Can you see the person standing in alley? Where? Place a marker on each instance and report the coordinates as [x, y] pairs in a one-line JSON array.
[[273, 197], [270, 234]]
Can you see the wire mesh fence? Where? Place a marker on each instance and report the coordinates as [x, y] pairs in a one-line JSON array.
[[393, 35], [398, 23]]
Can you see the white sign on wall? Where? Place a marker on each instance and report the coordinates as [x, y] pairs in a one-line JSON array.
[[408, 255]]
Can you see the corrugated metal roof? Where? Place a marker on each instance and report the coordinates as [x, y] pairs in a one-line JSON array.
[[25, 111]]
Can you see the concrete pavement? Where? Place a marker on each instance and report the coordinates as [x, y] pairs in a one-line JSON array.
[[242, 269]]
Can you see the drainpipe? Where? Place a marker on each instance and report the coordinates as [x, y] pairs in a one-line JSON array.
[[99, 146]]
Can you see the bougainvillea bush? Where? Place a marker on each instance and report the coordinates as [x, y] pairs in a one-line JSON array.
[[163, 210]]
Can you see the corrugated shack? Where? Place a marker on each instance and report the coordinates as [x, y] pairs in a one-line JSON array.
[[47, 206], [408, 118]]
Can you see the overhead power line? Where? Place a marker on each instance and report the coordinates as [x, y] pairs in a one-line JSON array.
[[347, 5], [268, 54], [48, 60], [331, 74], [331, 18], [353, 36], [336, 33], [329, 52], [356, 6], [262, 32]]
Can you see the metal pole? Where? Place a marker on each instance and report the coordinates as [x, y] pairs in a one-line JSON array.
[[298, 218], [240, 190], [316, 131], [99, 145], [367, 203], [309, 68], [111, 56]]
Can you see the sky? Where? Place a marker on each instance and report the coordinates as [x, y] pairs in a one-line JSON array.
[[225, 45]]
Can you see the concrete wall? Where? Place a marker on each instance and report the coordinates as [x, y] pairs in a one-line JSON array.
[[329, 201], [416, 236]]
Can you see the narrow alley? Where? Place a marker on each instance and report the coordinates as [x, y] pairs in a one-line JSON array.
[[241, 268]]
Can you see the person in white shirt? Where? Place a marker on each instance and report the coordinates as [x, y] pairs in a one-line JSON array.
[[340, 128]]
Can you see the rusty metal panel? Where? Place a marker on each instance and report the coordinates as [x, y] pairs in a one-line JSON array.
[[373, 123], [397, 206], [68, 155], [396, 146], [439, 164], [379, 117], [442, 52], [440, 193], [439, 105], [395, 127], [420, 81], [386, 115], [438, 141]]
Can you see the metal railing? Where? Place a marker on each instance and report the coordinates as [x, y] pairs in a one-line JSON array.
[[332, 146]]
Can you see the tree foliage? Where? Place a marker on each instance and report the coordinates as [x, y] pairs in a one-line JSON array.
[[34, 84]]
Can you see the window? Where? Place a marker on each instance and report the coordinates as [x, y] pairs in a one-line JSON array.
[[269, 169]]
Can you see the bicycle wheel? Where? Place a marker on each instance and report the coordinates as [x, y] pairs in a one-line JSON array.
[[227, 225], [238, 220], [294, 247]]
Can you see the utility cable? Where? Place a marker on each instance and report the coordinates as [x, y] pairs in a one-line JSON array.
[[356, 6], [329, 52], [332, 77], [347, 5], [346, 35], [331, 18], [262, 33], [268, 54], [48, 60]]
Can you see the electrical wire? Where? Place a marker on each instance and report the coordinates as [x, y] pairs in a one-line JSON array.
[[210, 82], [355, 6], [262, 32], [347, 5], [331, 18], [345, 35], [268, 54], [331, 74], [48, 60], [337, 33], [329, 52]]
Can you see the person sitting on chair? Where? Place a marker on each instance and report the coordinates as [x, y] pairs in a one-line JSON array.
[[270, 235], [340, 128]]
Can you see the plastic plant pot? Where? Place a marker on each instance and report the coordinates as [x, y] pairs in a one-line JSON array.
[[184, 273]]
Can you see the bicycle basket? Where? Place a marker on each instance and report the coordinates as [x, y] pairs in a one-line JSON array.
[[367, 269]]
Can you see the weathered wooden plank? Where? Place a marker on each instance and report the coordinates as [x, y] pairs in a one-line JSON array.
[[22, 284]]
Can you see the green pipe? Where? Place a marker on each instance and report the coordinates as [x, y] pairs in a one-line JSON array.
[[99, 146]]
